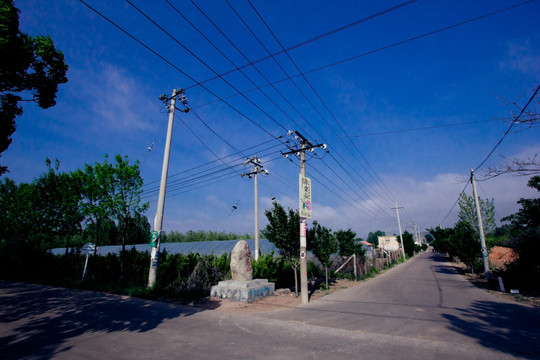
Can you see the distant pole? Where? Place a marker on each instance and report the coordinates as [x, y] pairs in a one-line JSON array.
[[487, 272], [158, 221], [399, 226], [257, 168]]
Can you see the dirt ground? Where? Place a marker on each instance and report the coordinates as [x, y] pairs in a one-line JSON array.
[[480, 281], [283, 299]]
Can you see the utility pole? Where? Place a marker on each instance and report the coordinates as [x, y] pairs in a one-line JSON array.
[[257, 168], [305, 206], [158, 221], [399, 226], [487, 272]]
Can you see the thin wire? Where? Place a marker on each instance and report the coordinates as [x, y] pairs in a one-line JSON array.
[[209, 68], [318, 37], [457, 200], [509, 128], [382, 48], [321, 101]]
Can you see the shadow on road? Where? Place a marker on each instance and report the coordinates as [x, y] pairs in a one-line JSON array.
[[502, 326], [36, 321]]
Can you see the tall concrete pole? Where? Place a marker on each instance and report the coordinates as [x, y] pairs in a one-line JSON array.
[[303, 242], [400, 235], [256, 220], [480, 228], [158, 221], [257, 168]]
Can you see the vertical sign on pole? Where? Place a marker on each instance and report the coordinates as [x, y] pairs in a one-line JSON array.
[[305, 204]]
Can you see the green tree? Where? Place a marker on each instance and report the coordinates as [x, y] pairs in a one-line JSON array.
[[347, 242], [57, 205], [525, 235], [373, 237], [467, 213], [125, 196], [283, 230], [138, 230], [27, 64], [442, 240], [97, 191], [467, 244], [17, 216], [323, 244], [408, 243], [529, 214]]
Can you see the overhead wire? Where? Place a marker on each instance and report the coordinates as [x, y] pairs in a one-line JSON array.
[[386, 47], [516, 119], [212, 70], [315, 92], [318, 37]]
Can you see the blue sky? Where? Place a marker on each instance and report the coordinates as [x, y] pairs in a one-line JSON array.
[[404, 120]]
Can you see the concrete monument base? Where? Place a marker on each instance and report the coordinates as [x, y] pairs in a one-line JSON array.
[[244, 291]]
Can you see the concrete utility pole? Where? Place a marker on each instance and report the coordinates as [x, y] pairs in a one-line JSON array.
[[257, 168], [158, 221], [399, 226], [304, 145], [485, 259]]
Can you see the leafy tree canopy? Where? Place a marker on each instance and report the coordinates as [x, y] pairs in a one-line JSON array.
[[529, 214], [467, 213], [373, 237], [29, 64], [283, 230]]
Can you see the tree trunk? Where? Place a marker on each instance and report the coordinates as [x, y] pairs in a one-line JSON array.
[[295, 280], [67, 243], [326, 273]]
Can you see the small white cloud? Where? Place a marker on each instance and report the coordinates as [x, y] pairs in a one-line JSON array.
[[116, 99], [521, 56]]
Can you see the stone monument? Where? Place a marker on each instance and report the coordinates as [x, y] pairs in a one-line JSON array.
[[242, 287]]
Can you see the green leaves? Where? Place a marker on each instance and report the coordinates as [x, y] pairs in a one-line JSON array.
[[283, 230], [27, 63], [467, 213], [106, 197], [322, 242]]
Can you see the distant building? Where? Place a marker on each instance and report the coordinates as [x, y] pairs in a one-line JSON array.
[[367, 247], [388, 243]]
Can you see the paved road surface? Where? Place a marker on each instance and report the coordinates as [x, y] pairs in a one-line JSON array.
[[419, 310]]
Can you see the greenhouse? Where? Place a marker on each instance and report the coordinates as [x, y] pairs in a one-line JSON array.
[[200, 247]]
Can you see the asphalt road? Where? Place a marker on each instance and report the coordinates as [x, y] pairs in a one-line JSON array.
[[421, 309]]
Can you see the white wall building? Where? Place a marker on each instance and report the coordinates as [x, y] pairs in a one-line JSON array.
[[388, 243]]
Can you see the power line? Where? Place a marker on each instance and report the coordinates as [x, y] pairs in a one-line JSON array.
[[209, 68], [422, 128], [319, 98], [509, 128], [386, 47], [453, 206], [318, 37]]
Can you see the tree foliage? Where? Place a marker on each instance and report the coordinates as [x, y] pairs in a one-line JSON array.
[[89, 203], [201, 235], [468, 215], [408, 243], [460, 241], [322, 242], [373, 237], [347, 242], [529, 214], [525, 239], [283, 230], [27, 64]]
